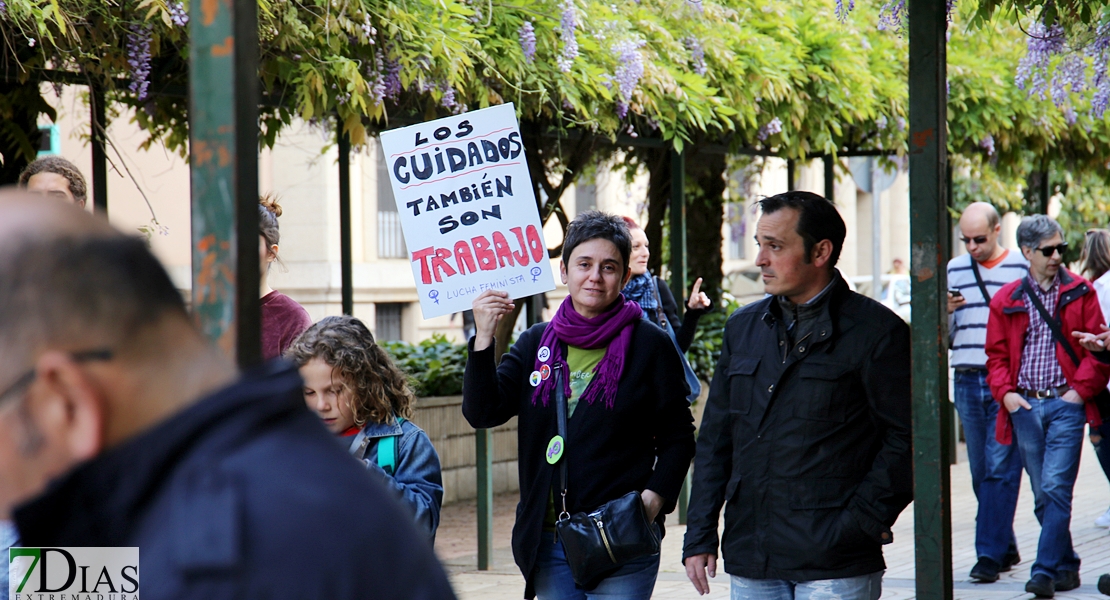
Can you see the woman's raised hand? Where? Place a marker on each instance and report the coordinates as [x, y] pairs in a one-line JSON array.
[[489, 307], [698, 299]]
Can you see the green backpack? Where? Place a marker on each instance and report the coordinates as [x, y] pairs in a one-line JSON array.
[[387, 451]]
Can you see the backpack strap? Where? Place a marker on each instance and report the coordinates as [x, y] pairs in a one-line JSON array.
[[1052, 321], [979, 280], [387, 451]]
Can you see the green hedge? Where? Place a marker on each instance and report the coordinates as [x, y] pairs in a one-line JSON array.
[[434, 366]]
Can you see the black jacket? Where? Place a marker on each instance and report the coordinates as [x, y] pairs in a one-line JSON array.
[[609, 452], [811, 453], [242, 495], [684, 334]]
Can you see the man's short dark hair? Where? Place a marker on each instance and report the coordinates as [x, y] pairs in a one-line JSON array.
[[58, 166], [818, 220], [83, 289], [594, 225]]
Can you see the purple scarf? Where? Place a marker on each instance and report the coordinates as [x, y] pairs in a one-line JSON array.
[[613, 328]]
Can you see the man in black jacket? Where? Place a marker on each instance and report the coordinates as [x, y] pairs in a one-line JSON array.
[[121, 426], [806, 435]]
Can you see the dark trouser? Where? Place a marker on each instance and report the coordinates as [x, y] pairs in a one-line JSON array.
[[995, 468], [1102, 446]]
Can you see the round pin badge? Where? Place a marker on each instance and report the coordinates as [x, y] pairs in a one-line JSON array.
[[555, 449], [535, 378], [544, 354], [545, 372]]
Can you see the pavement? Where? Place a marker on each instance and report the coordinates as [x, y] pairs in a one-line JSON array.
[[457, 549]]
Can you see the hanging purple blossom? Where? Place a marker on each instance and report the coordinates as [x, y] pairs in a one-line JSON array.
[[1070, 75], [842, 12], [987, 144], [528, 41], [375, 79], [892, 15], [771, 128], [881, 123], [178, 15], [392, 78], [1043, 44], [448, 100], [697, 54], [138, 58], [567, 25], [629, 72], [1099, 51], [3, 8], [368, 30], [696, 5]]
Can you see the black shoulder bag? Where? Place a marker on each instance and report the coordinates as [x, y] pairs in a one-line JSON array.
[[979, 280], [599, 542], [1102, 399]]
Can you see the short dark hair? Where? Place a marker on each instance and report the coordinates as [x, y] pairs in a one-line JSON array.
[[58, 166], [818, 220], [594, 225], [63, 290]]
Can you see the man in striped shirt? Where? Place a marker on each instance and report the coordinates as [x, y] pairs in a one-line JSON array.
[[995, 469]]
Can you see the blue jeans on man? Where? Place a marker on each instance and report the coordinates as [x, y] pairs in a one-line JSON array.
[[995, 468], [1050, 439], [863, 587]]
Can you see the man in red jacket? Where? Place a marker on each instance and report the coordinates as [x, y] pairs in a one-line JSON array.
[[1046, 383]]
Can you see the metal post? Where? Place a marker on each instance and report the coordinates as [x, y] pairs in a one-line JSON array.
[[830, 179], [876, 233], [791, 167], [483, 444], [346, 277], [223, 160], [99, 126], [678, 229], [1044, 192], [929, 237]]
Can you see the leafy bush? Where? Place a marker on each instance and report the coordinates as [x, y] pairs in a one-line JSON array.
[[434, 366], [706, 349]]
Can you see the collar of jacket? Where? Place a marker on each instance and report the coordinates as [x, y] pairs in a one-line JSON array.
[[97, 500], [772, 312], [1072, 287], [380, 430]]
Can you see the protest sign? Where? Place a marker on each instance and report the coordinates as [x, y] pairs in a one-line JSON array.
[[467, 209]]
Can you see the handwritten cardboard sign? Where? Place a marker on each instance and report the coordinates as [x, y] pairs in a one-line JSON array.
[[467, 209]]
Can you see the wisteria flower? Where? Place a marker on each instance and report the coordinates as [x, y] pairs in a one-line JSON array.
[[771, 128], [528, 41], [138, 58], [987, 144], [629, 72], [567, 24], [697, 54], [178, 16]]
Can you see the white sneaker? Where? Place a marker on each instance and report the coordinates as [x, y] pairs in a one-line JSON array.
[[1103, 520]]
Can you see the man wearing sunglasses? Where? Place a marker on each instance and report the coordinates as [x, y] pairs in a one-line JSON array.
[[1045, 380], [122, 426], [973, 279]]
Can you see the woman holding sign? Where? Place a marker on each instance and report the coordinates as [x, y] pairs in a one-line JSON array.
[[605, 433]]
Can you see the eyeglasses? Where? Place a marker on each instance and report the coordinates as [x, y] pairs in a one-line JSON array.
[[979, 240], [1048, 251], [25, 379]]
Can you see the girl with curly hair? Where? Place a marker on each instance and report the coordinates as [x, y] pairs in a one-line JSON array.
[[353, 385]]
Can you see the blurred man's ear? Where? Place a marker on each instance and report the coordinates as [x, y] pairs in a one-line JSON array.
[[68, 408]]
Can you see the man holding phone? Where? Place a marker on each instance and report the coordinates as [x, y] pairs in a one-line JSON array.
[[973, 279]]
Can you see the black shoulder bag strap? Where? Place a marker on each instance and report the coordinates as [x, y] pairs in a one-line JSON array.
[[662, 316], [561, 415], [979, 279], [1053, 322]]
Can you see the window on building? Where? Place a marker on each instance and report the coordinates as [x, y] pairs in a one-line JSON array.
[[391, 244], [388, 321]]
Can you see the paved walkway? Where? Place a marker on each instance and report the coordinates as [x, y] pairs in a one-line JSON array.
[[455, 547]]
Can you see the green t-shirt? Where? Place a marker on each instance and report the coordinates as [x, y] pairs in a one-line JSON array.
[[581, 364]]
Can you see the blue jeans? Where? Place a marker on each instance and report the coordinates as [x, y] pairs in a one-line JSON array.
[[1050, 438], [864, 587], [633, 581], [995, 468]]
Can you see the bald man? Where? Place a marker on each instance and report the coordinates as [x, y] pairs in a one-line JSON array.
[[121, 425], [995, 468]]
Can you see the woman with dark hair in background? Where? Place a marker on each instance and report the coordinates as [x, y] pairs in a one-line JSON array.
[[282, 318], [628, 424], [1095, 261]]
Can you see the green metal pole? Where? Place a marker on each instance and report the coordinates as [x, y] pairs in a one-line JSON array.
[[483, 439], [223, 161], [830, 178], [99, 126], [346, 276], [930, 248], [678, 229]]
